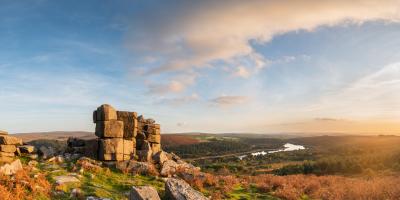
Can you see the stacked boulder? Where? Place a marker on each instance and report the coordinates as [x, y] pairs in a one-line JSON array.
[[11, 146], [116, 132], [148, 138]]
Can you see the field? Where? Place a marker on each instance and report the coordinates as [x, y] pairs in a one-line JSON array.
[[331, 167]]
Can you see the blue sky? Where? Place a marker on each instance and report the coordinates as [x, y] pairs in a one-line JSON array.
[[212, 66]]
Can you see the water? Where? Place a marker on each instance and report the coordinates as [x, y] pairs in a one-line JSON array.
[[286, 147]]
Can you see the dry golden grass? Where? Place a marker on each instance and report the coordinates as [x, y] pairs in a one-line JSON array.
[[328, 187], [295, 187], [24, 185]]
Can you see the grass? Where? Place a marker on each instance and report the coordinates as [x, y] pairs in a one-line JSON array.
[[107, 183], [240, 193]]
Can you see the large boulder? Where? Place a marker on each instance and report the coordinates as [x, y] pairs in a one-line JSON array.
[[177, 189], [110, 129], [136, 167], [143, 193], [168, 168], [4, 139], [12, 168], [105, 113]]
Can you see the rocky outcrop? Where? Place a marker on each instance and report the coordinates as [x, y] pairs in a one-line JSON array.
[[143, 193], [177, 189], [12, 168], [125, 136], [8, 147]]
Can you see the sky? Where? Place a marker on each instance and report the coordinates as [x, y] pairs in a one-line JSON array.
[[260, 66]]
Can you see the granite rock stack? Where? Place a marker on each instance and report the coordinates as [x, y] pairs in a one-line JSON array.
[[125, 136]]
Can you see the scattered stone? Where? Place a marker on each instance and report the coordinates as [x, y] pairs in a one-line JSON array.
[[12, 168], [76, 193], [143, 193], [56, 159], [61, 180], [177, 189], [33, 163]]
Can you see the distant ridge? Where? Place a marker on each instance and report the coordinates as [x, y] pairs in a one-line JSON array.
[[54, 135]]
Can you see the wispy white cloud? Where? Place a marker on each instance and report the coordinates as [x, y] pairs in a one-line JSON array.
[[178, 101], [373, 96], [229, 100]]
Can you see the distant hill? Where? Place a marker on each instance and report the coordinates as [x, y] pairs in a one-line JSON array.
[[55, 135]]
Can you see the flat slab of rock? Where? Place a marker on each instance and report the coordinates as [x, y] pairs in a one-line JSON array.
[[61, 180], [177, 189], [5, 139], [26, 148], [143, 193], [8, 148], [3, 132]]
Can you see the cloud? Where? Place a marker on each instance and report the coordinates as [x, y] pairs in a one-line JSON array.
[[242, 72], [373, 96], [176, 84], [193, 34], [229, 100], [181, 100], [327, 119]]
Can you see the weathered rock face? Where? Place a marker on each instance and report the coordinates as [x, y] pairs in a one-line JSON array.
[[110, 129], [135, 167], [4, 139], [130, 123], [113, 145], [143, 193], [177, 189], [8, 148], [3, 132], [104, 113]]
